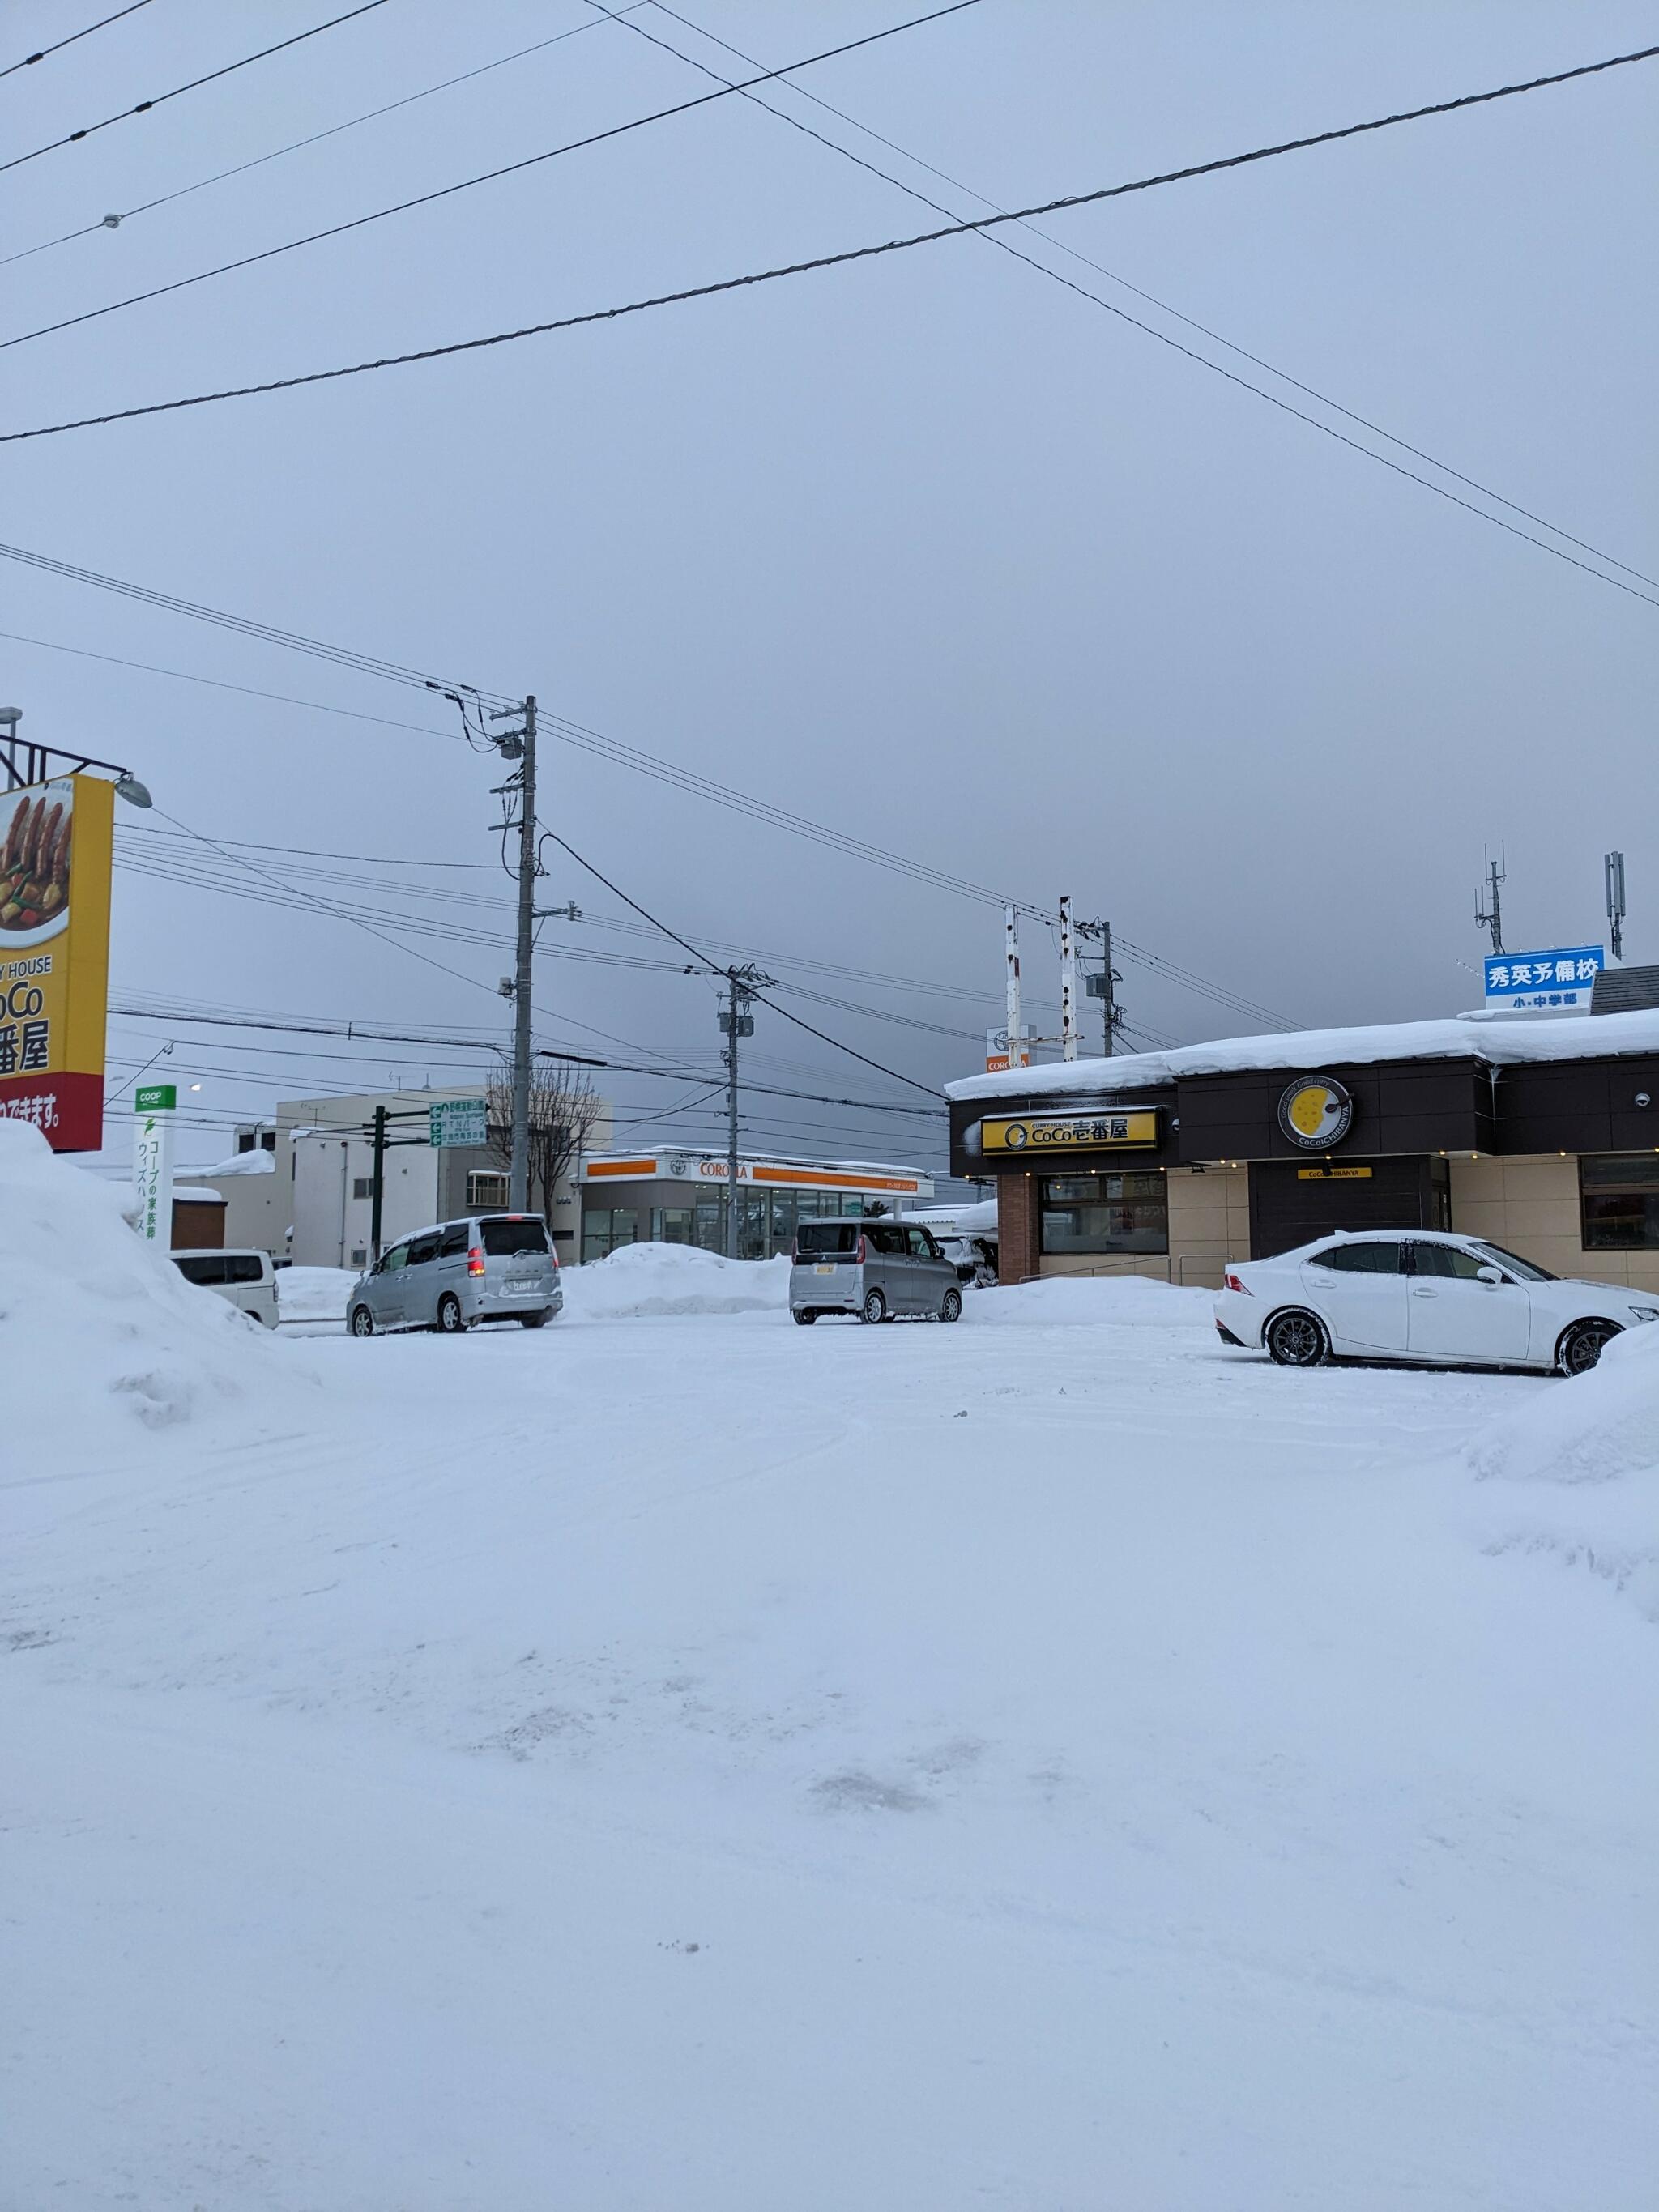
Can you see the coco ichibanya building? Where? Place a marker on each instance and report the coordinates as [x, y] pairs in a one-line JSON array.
[[1541, 1133]]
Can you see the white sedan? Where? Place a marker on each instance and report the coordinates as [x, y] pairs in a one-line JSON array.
[[1416, 1295]]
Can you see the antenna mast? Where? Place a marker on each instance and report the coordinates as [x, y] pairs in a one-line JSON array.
[[1491, 916], [1613, 867]]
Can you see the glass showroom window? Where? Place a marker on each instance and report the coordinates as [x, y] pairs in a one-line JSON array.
[[1124, 1212], [1620, 1201], [672, 1224], [605, 1229]]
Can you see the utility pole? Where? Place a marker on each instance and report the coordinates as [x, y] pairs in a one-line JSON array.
[[1613, 867], [736, 1021], [518, 1188], [378, 1188], [1067, 980], [1104, 986], [1490, 916]]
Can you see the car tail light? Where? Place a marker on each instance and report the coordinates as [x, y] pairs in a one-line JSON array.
[[1237, 1283], [475, 1264], [864, 1251]]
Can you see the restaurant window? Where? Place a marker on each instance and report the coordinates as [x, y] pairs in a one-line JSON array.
[[605, 1229], [1128, 1212], [484, 1186], [1620, 1199]]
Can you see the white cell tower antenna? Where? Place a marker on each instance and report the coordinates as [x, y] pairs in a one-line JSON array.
[[1017, 1054], [1613, 867], [1067, 979]]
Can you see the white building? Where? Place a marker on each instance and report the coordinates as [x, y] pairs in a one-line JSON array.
[[302, 1188]]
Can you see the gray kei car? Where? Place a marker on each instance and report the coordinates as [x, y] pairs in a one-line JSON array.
[[875, 1270], [491, 1266]]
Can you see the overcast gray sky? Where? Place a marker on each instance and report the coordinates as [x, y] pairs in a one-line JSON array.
[[930, 549]]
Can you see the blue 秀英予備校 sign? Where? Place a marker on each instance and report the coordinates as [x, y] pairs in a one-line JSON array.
[[1544, 982]]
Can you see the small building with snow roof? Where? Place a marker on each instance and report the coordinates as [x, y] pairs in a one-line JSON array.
[[1540, 1134]]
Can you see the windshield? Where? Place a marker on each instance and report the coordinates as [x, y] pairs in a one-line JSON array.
[[503, 1239], [1528, 1270], [815, 1240]]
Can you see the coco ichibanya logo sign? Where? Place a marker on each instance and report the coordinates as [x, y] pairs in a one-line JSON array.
[[1315, 1112]]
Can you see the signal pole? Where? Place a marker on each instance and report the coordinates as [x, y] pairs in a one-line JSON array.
[[1016, 1055]]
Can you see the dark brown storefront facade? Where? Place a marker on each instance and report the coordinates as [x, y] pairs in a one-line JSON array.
[[1133, 1166]]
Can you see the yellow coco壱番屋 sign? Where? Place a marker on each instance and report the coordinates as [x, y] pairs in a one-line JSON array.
[[1076, 1133], [56, 845]]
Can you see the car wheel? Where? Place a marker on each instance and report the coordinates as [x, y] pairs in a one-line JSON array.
[[362, 1321], [806, 1315], [1297, 1339], [1582, 1345], [451, 1321], [874, 1307], [951, 1306]]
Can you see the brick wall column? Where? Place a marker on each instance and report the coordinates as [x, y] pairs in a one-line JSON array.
[[1016, 1228]]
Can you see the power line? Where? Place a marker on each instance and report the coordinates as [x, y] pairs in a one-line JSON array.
[[161, 100], [848, 255], [697, 953], [466, 184], [29, 60], [218, 684], [357, 1030], [626, 17], [314, 138], [344, 656]]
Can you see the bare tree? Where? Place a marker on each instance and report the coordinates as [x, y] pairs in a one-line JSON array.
[[562, 1112]]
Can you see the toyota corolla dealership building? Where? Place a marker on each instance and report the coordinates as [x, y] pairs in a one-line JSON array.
[[1540, 1134]]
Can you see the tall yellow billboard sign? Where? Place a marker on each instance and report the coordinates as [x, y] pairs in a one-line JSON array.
[[57, 840]]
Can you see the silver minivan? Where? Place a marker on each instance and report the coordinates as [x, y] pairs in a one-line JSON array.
[[247, 1279], [878, 1270], [492, 1266]]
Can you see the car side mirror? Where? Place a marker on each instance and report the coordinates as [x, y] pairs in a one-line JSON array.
[[1489, 1275]]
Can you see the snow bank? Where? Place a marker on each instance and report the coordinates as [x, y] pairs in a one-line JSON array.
[[97, 1330], [1579, 1468], [314, 1294], [1123, 1300], [646, 1279]]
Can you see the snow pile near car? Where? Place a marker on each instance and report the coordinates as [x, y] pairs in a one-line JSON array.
[[313, 1294], [99, 1331], [645, 1280], [1579, 1468], [1132, 1300]]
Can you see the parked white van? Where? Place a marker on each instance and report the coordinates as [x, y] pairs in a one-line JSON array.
[[246, 1279]]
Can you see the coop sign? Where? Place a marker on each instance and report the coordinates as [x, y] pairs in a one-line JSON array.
[[1069, 1133], [1544, 982]]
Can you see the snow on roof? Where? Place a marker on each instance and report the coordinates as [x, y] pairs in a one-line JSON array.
[[256, 1162], [1499, 1042], [197, 1193]]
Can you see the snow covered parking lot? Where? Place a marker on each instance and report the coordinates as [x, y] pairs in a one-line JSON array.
[[679, 1759]]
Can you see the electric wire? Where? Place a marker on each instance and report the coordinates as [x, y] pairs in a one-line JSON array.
[[314, 138], [145, 106], [183, 1015], [103, 24], [697, 954], [629, 20], [851, 254], [466, 184]]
